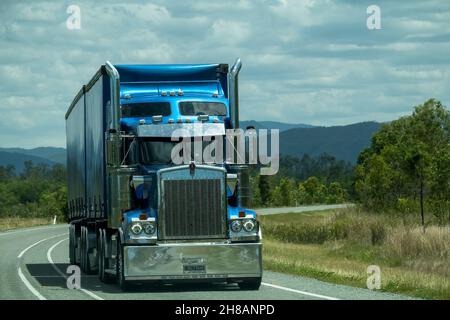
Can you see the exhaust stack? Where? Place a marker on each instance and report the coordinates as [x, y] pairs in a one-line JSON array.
[[234, 93], [115, 97], [242, 170]]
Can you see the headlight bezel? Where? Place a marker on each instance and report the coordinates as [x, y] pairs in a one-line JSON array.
[[135, 224], [149, 225], [247, 222], [238, 223], [244, 235], [138, 227]]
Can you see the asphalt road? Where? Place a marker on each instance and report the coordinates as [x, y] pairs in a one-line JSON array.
[[319, 207], [34, 261]]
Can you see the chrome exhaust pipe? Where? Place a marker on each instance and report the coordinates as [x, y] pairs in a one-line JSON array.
[[243, 192], [115, 96], [234, 93]]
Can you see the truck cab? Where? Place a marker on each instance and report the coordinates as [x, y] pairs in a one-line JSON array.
[[163, 212]]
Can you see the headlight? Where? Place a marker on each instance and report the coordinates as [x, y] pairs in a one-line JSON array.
[[236, 226], [249, 225], [136, 228], [149, 228]]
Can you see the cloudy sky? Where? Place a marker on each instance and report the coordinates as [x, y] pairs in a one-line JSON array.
[[308, 61]]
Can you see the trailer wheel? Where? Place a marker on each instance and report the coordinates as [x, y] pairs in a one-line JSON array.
[[120, 273], [251, 284]]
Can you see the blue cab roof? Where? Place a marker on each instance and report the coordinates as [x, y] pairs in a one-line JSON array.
[[169, 72], [197, 82]]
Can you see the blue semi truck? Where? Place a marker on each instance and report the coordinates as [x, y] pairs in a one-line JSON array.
[[134, 214]]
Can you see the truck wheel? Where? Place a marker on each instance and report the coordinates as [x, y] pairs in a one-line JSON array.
[[252, 284], [102, 260], [72, 239], [100, 255], [86, 266], [120, 273], [82, 255]]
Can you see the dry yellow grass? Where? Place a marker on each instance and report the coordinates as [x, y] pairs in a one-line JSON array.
[[415, 242], [318, 261], [339, 245], [17, 222]]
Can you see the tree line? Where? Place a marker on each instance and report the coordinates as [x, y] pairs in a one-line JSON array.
[[407, 166], [39, 191], [303, 181]]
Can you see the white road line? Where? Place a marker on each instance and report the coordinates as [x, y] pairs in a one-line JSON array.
[[36, 243], [298, 291], [27, 230], [29, 286], [58, 270], [22, 276]]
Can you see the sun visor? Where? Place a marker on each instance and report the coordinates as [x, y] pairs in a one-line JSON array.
[[181, 130]]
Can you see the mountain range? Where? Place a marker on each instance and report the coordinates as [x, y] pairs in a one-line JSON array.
[[272, 125], [343, 142], [17, 156]]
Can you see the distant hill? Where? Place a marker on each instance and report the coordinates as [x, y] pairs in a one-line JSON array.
[[17, 156], [272, 125], [53, 154], [18, 159], [343, 142]]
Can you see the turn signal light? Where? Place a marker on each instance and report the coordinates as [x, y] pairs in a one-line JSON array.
[[143, 217]]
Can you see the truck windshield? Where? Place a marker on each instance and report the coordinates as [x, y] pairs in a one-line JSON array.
[[154, 151], [159, 151], [145, 109], [196, 108]]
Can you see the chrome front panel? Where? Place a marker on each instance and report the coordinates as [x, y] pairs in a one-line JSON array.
[[181, 261]]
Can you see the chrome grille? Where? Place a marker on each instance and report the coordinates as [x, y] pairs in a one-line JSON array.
[[192, 209]]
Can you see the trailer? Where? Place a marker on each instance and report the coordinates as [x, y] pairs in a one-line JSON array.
[[134, 214]]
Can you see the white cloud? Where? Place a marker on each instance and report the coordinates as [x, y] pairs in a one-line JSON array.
[[310, 61]]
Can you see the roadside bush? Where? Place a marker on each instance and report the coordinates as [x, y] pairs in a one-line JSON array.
[[343, 225], [413, 242], [298, 233]]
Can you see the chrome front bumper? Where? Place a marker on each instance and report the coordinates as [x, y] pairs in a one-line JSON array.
[[184, 261]]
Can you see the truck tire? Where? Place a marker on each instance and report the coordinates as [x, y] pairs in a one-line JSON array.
[[72, 247], [86, 266], [120, 273], [102, 260], [82, 255], [251, 284], [100, 256]]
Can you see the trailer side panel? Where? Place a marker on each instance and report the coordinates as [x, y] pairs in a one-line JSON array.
[[76, 159]]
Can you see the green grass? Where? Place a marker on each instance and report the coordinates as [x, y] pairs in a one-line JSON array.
[[337, 246], [18, 222]]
